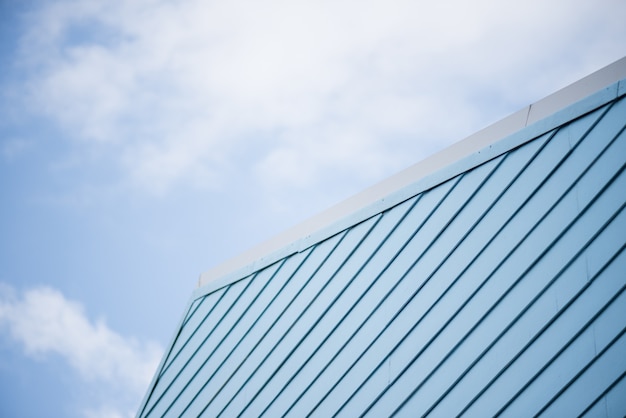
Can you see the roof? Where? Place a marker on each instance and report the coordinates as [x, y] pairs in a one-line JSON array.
[[491, 283], [520, 127]]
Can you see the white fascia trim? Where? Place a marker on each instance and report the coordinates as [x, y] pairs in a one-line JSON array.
[[569, 103]]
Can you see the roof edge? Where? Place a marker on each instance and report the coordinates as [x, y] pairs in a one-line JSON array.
[[568, 103]]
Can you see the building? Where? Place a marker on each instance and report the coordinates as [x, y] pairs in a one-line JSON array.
[[486, 280]]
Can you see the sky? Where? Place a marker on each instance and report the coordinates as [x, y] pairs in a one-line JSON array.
[[143, 142]]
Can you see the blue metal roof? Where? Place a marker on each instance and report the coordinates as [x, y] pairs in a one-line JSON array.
[[499, 290]]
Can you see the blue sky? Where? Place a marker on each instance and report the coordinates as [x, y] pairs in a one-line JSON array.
[[143, 142]]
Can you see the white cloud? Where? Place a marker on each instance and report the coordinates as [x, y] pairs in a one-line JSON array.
[[44, 322], [180, 90]]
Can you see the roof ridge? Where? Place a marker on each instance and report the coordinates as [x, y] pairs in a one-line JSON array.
[[570, 102]]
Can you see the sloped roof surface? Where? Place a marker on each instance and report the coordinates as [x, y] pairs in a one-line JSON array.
[[500, 289]]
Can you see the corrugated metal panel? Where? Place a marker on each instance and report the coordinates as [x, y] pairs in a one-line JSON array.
[[499, 291]]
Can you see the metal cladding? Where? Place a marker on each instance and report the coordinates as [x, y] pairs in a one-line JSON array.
[[497, 291]]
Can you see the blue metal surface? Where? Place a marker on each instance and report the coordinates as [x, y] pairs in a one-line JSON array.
[[499, 291]]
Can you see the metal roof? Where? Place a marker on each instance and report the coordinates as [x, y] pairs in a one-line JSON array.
[[520, 127], [499, 290]]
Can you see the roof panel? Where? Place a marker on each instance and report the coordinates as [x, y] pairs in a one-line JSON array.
[[498, 288]]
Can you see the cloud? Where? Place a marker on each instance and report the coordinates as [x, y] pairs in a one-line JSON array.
[[44, 322], [284, 93]]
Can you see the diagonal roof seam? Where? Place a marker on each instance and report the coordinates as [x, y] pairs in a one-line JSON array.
[[561, 107]]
